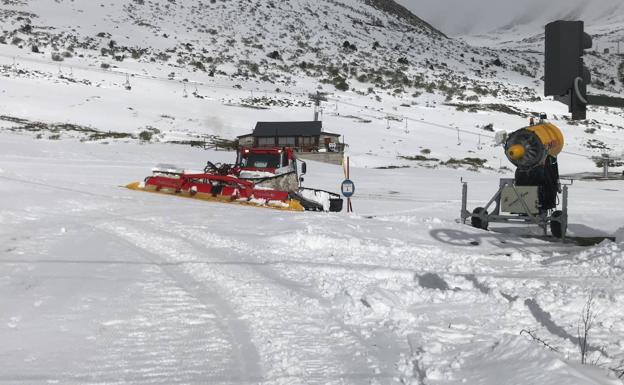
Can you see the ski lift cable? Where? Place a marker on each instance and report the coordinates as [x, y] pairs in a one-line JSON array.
[[220, 86], [456, 129]]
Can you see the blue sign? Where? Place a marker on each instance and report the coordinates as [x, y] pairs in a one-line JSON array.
[[347, 188]]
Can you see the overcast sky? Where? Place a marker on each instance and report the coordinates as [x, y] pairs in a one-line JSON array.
[[458, 17]]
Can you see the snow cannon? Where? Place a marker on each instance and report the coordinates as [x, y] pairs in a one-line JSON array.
[[531, 197], [530, 146]]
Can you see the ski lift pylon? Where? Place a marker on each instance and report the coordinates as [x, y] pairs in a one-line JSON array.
[[127, 84]]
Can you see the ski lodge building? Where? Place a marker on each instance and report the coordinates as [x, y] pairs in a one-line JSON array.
[[306, 137]]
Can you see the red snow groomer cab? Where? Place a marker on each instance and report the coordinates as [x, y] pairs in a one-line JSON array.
[[264, 177]]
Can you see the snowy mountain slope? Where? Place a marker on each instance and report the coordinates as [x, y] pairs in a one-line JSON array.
[[492, 17], [604, 21], [605, 13], [381, 46], [436, 97], [343, 43], [379, 128], [523, 31], [177, 32]]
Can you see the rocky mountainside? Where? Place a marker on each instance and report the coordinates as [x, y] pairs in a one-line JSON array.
[[197, 72], [375, 49], [368, 46]]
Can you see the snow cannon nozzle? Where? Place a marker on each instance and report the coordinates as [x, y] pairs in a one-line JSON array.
[[516, 152], [529, 146]]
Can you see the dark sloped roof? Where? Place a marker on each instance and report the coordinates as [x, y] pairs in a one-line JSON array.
[[310, 128]]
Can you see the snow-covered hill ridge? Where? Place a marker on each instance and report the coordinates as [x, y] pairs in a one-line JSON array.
[[380, 64], [346, 43], [594, 13], [211, 35], [494, 17], [604, 20]]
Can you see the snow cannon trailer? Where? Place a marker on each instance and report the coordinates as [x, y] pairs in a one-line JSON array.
[[261, 177], [531, 197]]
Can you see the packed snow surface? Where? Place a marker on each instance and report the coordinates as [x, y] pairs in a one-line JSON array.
[[104, 284], [101, 284]]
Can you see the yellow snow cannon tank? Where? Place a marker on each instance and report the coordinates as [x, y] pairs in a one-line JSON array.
[[530, 146]]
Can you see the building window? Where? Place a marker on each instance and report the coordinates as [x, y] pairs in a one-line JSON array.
[[266, 141], [286, 140], [307, 140]]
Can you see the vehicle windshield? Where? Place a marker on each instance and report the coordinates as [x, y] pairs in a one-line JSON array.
[[261, 161]]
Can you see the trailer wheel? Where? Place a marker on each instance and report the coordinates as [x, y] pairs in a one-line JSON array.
[[479, 218], [557, 227]]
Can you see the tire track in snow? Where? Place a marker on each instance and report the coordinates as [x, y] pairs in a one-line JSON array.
[[318, 266], [297, 339], [139, 325], [383, 348], [381, 338], [245, 352]]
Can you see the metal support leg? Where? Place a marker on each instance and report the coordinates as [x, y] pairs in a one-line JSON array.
[[495, 199], [564, 210], [464, 208]]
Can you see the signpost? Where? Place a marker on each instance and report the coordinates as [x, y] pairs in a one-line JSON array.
[[348, 188]]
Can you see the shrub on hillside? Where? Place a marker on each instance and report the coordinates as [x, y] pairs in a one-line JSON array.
[[145, 136], [340, 83], [274, 55], [349, 46], [57, 56]]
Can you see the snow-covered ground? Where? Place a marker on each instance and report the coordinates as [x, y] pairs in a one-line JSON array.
[[101, 284]]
